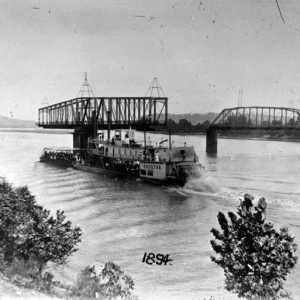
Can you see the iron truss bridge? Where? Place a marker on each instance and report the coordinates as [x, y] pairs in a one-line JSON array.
[[114, 112], [257, 117]]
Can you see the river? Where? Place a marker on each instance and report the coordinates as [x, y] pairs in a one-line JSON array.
[[122, 219]]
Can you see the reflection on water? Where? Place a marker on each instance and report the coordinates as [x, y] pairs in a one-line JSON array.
[[122, 219]]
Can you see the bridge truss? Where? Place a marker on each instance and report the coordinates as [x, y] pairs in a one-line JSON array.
[[258, 117], [116, 112]]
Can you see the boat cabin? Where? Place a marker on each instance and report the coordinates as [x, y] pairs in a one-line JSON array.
[[123, 137]]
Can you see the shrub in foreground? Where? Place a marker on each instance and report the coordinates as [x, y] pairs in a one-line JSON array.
[[110, 283], [256, 258], [30, 237]]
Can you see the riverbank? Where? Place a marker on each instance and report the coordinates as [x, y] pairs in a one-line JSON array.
[[10, 291], [31, 239]]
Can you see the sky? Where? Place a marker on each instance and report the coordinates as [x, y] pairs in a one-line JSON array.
[[202, 52]]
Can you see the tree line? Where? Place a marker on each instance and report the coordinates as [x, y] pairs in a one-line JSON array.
[[185, 126]]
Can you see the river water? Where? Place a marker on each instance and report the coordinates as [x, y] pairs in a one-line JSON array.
[[122, 219]]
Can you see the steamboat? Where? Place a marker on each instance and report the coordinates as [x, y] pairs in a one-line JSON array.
[[123, 156]]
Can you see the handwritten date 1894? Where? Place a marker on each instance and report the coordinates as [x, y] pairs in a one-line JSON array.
[[159, 259]]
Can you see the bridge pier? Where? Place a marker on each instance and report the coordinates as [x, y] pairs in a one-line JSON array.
[[211, 140], [80, 138]]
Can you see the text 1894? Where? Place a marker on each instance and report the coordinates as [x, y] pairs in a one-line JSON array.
[[159, 259]]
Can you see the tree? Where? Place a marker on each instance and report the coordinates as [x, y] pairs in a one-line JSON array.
[[111, 283], [173, 126], [206, 124], [29, 233], [184, 125], [256, 258]]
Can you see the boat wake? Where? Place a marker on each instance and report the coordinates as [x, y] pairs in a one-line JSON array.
[[203, 185]]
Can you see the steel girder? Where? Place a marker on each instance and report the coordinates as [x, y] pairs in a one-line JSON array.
[[258, 117], [122, 112]]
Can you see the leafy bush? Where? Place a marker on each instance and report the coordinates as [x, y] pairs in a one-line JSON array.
[[255, 257], [29, 237], [110, 283]]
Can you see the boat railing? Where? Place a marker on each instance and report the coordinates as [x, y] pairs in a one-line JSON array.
[[67, 150]]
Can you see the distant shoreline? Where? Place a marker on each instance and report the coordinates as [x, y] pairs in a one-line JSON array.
[[37, 130], [284, 138]]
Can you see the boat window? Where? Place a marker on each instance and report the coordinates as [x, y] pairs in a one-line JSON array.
[[182, 152], [150, 173], [143, 172]]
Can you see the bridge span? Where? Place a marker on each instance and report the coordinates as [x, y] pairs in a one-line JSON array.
[[121, 112], [252, 118], [88, 114]]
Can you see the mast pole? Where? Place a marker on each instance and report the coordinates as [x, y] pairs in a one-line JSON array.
[[95, 123], [108, 127]]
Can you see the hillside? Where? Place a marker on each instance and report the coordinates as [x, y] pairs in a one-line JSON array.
[[194, 118], [6, 122]]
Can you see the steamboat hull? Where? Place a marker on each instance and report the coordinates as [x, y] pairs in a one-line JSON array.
[[168, 181], [56, 162], [129, 175], [102, 171]]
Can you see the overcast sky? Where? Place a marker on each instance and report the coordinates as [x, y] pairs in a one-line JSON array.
[[202, 52]]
